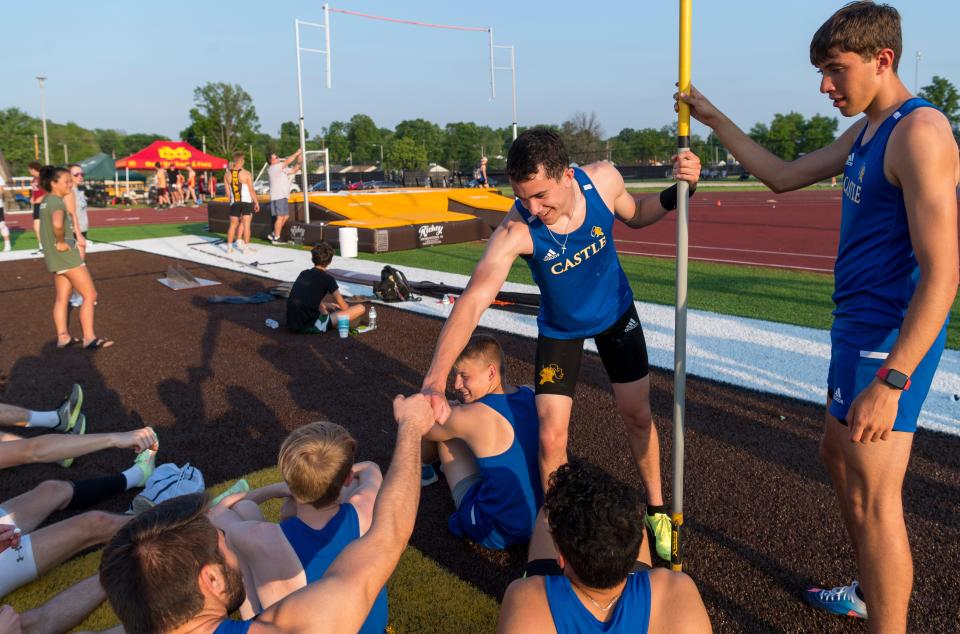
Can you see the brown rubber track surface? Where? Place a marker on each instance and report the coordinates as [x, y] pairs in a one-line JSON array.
[[222, 390]]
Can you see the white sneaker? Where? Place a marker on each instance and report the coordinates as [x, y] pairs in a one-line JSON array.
[[76, 300], [7, 247]]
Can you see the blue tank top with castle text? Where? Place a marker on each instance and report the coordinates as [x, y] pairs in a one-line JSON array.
[[876, 272], [583, 289]]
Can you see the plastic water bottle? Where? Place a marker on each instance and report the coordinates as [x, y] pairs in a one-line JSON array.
[[372, 318], [343, 326], [272, 323]]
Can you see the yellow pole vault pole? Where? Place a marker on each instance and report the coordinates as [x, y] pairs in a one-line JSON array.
[[680, 327]]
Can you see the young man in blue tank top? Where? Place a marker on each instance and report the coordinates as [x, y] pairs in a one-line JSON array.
[[489, 448], [589, 568], [328, 504], [896, 276], [562, 226], [189, 568]]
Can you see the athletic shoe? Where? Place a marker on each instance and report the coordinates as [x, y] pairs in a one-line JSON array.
[[659, 525], [7, 247], [76, 299], [240, 486], [147, 461], [78, 429], [428, 475], [69, 410], [272, 238], [841, 600]]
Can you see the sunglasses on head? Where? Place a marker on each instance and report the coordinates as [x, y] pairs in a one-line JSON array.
[[76, 173]]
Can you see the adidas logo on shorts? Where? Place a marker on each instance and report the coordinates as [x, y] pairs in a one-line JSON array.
[[837, 396], [551, 255], [633, 323]]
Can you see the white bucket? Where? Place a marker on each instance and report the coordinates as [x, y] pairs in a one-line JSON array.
[[348, 242]]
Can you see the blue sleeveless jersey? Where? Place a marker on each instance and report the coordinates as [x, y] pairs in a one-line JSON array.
[[583, 289], [317, 549], [631, 614], [876, 272], [233, 627], [501, 509]]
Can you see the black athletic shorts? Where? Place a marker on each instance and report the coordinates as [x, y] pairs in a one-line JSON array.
[[622, 349], [1, 214], [36, 211], [241, 209], [550, 567]]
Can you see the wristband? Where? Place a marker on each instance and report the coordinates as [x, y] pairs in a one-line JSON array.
[[894, 378], [668, 197]]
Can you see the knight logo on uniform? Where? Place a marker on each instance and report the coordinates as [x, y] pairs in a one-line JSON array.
[[551, 374]]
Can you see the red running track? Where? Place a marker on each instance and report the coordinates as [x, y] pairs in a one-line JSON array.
[[110, 217], [796, 230]]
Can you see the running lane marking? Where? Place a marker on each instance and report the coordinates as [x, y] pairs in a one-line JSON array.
[[697, 246], [699, 259]]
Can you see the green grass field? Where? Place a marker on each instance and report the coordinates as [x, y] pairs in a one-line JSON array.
[[423, 597], [790, 297]]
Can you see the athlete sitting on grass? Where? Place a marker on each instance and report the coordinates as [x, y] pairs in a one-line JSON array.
[[591, 571], [174, 555], [329, 505], [60, 614], [315, 298], [489, 449], [25, 554]]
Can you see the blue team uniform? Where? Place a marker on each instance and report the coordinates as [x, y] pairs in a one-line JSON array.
[[317, 549], [501, 509], [875, 278], [233, 627], [630, 615], [583, 289]]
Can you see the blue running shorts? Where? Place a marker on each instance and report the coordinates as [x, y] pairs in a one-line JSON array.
[[854, 361]]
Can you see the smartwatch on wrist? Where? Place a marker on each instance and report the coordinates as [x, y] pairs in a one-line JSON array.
[[894, 378]]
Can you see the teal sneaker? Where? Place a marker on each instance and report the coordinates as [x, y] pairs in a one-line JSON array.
[[69, 410], [659, 524], [78, 429], [428, 475], [842, 600], [240, 486]]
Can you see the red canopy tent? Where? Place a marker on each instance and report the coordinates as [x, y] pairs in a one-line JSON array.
[[175, 154]]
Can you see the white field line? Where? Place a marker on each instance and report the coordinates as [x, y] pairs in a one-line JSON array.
[[700, 246], [770, 357], [723, 261]]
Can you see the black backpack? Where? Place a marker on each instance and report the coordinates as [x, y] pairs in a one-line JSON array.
[[393, 286]]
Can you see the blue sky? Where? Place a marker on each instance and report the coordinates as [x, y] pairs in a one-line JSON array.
[[133, 66]]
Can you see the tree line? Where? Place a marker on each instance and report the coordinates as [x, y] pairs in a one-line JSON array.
[[225, 116]]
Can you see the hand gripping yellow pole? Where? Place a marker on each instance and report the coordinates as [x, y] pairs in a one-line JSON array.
[[680, 326]]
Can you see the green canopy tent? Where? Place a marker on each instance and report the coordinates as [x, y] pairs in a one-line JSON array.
[[99, 167]]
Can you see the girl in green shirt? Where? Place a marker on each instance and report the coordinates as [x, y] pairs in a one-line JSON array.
[[63, 259]]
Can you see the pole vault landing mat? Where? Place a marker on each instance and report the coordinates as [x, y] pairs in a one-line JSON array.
[[179, 278], [385, 221]]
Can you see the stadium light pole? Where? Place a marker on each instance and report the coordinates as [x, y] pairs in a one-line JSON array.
[[916, 73], [513, 79], [680, 323], [43, 119], [304, 183]]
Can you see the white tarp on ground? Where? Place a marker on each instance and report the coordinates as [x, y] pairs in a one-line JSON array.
[[759, 355]]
